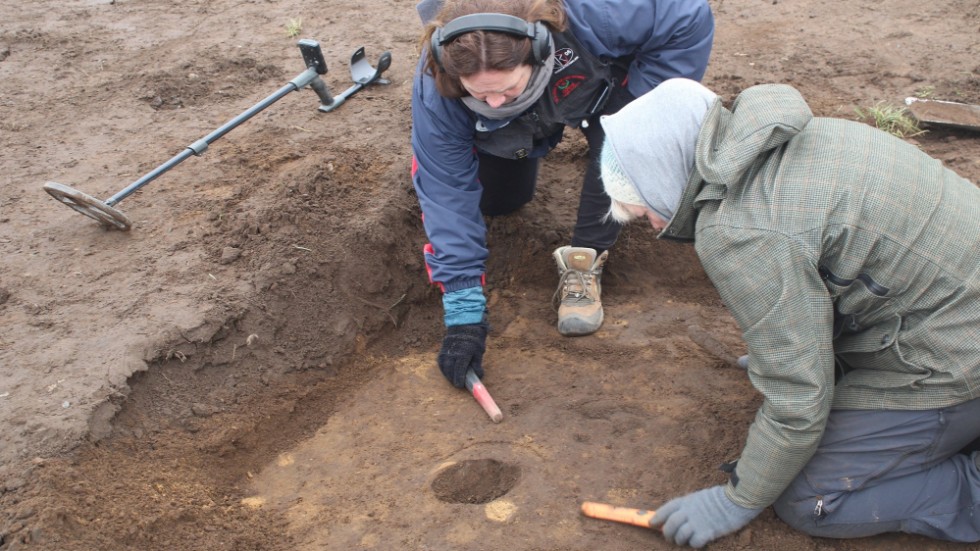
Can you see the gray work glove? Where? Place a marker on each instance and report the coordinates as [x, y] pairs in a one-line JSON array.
[[703, 516], [462, 350]]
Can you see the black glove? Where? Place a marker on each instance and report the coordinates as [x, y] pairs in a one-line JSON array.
[[462, 350]]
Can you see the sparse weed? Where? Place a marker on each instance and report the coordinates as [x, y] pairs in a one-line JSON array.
[[294, 27], [891, 119], [926, 92]]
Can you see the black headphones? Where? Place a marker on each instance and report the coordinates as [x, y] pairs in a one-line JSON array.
[[498, 22]]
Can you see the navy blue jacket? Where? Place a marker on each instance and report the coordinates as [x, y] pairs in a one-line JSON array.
[[665, 39]]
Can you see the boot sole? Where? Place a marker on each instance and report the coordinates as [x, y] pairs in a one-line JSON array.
[[578, 327]]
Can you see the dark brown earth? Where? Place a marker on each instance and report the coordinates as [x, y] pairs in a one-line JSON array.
[[252, 366]]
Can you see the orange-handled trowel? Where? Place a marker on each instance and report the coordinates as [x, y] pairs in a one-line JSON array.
[[626, 515]]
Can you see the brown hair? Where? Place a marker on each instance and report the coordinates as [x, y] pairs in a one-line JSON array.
[[478, 51]]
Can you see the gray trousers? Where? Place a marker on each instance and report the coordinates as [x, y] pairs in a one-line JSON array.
[[890, 471]]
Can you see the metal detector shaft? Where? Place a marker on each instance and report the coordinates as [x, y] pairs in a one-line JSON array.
[[109, 217], [200, 146]]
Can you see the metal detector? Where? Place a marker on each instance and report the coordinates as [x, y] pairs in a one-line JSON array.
[[362, 73]]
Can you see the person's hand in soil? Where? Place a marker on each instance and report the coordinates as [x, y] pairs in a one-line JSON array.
[[465, 312], [462, 350], [701, 517]]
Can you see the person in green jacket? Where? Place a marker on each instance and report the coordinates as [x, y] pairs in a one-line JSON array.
[[850, 260]]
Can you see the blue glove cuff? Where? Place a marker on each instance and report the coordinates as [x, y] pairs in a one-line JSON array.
[[464, 307]]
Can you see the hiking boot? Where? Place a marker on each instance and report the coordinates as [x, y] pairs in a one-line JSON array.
[[578, 295]]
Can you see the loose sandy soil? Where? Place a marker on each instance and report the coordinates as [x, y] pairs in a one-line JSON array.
[[253, 365]]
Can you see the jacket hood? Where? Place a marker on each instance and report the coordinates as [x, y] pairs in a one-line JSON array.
[[650, 145], [762, 118]]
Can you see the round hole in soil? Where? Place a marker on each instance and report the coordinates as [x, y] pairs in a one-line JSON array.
[[475, 481]]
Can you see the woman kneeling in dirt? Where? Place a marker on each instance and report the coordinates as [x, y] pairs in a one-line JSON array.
[[497, 83], [851, 261]]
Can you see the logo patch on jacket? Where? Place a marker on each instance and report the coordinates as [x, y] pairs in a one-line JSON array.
[[564, 86], [563, 58]]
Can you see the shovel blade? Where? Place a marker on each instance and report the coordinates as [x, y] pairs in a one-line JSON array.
[[945, 113]]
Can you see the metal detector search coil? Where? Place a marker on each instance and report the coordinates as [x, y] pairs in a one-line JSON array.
[[362, 73]]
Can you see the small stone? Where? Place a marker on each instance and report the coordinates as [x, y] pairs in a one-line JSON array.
[[203, 410], [745, 539], [15, 484], [26, 512], [37, 535], [229, 255]]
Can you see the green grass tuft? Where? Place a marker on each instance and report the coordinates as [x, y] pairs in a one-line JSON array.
[[294, 27], [891, 119]]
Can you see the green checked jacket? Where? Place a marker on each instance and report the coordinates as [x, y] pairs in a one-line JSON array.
[[851, 262]]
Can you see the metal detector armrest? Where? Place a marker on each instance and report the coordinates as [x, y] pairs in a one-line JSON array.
[[363, 75]]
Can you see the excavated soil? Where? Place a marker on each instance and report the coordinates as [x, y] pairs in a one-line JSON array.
[[252, 366]]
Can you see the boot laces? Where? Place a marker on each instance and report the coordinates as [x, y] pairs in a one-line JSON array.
[[575, 287]]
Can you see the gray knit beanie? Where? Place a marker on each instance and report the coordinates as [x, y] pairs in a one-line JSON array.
[[649, 147]]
